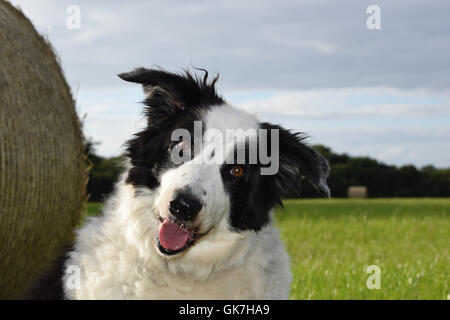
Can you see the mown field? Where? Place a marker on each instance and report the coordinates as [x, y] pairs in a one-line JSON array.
[[332, 242]]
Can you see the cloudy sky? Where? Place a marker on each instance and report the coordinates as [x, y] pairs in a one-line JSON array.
[[313, 66]]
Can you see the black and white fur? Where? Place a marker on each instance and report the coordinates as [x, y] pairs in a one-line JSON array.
[[236, 252]]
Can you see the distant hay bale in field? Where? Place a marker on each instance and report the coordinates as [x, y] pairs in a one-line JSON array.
[[357, 192], [42, 166]]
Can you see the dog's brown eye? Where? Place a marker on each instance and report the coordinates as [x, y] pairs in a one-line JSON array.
[[183, 147], [237, 171]]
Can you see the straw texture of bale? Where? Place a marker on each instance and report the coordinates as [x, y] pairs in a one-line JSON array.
[[42, 166]]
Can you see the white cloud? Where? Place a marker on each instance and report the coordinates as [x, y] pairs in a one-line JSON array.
[[112, 131], [393, 151], [97, 109], [352, 102], [395, 126], [255, 44]]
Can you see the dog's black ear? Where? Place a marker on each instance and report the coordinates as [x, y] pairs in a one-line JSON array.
[[297, 159], [158, 84], [178, 91]]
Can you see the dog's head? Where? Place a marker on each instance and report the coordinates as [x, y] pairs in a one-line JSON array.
[[210, 167]]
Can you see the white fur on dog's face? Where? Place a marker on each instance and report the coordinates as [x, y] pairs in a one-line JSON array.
[[203, 178]]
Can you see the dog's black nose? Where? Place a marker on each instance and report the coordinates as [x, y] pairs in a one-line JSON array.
[[184, 205]]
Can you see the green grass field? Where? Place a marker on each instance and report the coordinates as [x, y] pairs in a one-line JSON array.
[[332, 242]]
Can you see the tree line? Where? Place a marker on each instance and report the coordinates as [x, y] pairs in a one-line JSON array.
[[381, 180]]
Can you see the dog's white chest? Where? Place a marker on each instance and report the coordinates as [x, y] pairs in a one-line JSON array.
[[142, 283]]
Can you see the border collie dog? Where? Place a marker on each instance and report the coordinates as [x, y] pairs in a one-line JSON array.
[[192, 229]]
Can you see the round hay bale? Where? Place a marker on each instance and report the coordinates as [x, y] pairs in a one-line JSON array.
[[357, 192], [42, 165]]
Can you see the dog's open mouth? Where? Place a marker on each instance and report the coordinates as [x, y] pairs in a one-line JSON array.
[[174, 237]]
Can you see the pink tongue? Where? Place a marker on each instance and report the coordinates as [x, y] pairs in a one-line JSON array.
[[172, 236]]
